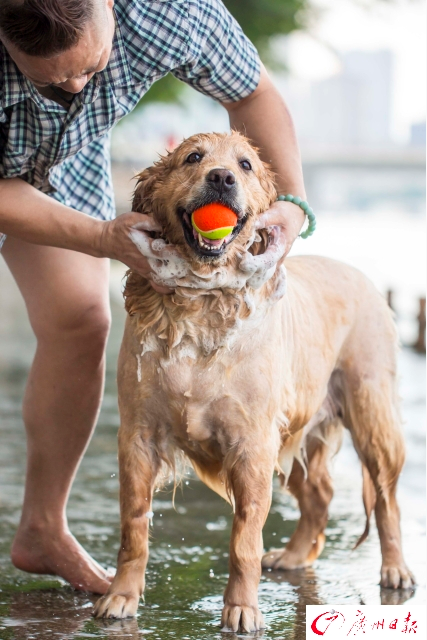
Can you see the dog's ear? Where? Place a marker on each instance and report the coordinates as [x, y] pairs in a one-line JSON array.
[[146, 186]]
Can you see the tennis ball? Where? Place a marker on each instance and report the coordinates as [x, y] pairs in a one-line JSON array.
[[214, 221]]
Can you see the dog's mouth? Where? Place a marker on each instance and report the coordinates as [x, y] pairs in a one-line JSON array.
[[204, 247]]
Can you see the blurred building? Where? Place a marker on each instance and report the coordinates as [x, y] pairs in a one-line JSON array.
[[354, 107], [349, 109]]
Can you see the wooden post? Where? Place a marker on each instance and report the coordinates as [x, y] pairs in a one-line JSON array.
[[390, 299], [420, 344]]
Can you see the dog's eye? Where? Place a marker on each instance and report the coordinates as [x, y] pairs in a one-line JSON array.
[[246, 165], [193, 157]]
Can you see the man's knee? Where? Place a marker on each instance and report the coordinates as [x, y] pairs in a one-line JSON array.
[[92, 326], [83, 323]]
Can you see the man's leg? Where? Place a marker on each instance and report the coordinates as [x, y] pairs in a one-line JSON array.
[[66, 294]]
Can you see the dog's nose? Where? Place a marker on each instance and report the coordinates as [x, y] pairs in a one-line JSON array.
[[221, 179]]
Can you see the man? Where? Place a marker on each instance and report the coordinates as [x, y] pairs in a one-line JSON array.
[[69, 70]]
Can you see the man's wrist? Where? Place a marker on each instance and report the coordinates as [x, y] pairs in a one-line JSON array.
[[95, 238], [78, 232]]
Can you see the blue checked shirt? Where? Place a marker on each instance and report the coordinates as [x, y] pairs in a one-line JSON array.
[[66, 153]]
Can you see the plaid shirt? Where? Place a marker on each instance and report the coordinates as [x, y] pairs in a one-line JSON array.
[[66, 153]]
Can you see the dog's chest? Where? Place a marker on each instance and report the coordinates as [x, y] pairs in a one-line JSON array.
[[189, 380], [189, 395], [204, 402]]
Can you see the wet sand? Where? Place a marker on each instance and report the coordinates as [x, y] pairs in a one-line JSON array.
[[187, 570]]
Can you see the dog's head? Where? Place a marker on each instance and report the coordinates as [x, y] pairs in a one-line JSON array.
[[205, 169]]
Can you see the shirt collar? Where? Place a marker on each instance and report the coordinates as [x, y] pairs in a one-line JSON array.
[[17, 88], [14, 88]]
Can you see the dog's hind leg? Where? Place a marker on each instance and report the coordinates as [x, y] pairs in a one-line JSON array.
[[371, 413], [313, 491]]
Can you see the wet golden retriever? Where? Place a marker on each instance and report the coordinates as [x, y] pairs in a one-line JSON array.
[[248, 379]]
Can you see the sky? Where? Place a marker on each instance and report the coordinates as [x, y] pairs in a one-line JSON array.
[[344, 25]]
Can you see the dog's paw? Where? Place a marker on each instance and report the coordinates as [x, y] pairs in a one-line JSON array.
[[396, 577], [281, 559], [299, 557], [240, 618], [116, 605], [284, 560]]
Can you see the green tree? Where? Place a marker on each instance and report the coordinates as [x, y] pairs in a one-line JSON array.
[[260, 20]]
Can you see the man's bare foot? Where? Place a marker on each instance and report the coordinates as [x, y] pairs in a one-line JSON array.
[[39, 550]]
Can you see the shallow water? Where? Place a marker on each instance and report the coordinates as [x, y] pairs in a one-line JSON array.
[[187, 570]]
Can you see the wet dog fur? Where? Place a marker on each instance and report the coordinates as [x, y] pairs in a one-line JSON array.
[[248, 381]]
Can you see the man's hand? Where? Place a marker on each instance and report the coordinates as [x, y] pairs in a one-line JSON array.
[[127, 239], [289, 218], [283, 221]]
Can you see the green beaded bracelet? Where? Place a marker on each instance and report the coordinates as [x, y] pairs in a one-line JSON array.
[[307, 210]]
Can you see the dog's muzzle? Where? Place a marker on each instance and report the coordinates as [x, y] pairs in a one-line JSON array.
[[220, 187]]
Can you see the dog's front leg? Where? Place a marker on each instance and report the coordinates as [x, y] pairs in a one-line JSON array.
[[250, 481], [139, 466]]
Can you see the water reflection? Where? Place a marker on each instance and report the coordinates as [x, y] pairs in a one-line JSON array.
[[43, 612], [121, 629], [396, 596], [305, 586]]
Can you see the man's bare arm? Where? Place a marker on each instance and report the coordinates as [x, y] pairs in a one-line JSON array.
[[32, 216]]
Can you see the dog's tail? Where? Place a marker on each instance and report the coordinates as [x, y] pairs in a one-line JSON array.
[[369, 498]]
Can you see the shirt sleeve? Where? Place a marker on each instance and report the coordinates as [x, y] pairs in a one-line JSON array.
[[220, 60]]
